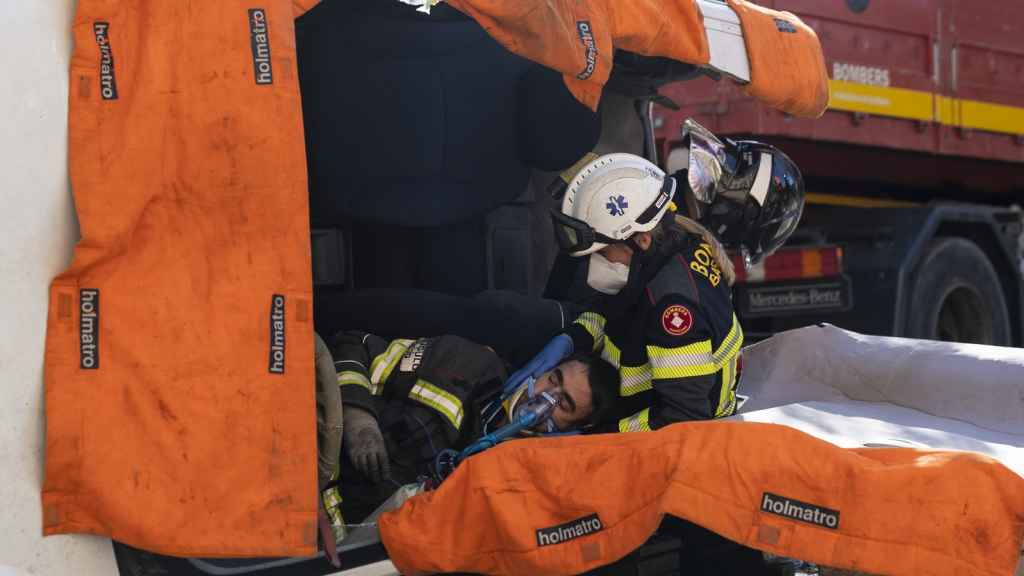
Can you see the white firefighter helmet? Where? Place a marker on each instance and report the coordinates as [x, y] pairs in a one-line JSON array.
[[609, 200]]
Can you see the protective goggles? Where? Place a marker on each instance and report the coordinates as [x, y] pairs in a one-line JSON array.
[[574, 235]]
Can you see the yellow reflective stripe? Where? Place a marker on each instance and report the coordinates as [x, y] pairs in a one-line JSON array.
[[881, 101], [611, 353], [925, 106], [683, 362], [568, 174], [634, 379], [383, 364], [332, 505], [991, 117], [857, 202], [637, 422], [447, 404], [727, 396], [695, 359], [732, 343], [349, 378], [593, 323], [947, 110], [332, 498]]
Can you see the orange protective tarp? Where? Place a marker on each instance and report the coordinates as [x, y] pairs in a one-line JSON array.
[[529, 507], [787, 66], [180, 410], [579, 40]]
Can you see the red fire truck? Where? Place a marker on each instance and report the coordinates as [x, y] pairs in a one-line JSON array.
[[913, 174]]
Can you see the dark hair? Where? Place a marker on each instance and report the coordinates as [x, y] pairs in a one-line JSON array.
[[604, 387]]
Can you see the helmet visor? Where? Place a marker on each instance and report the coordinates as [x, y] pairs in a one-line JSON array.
[[704, 169]]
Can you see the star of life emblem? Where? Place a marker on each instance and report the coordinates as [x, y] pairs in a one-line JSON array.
[[617, 205]]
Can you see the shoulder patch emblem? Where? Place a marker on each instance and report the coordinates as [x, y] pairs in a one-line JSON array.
[[677, 320]]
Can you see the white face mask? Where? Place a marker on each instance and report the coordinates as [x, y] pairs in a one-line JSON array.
[[606, 277]]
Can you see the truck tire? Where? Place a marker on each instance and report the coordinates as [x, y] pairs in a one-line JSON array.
[[957, 296]]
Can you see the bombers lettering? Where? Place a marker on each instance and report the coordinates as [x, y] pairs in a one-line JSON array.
[[88, 328], [569, 531], [796, 510], [261, 64], [108, 82], [868, 75], [587, 38], [704, 264], [277, 352]]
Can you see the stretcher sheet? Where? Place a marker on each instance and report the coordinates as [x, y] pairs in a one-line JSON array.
[[180, 410], [979, 385], [855, 424]]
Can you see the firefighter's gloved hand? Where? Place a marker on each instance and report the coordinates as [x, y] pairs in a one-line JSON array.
[[558, 349], [364, 444]]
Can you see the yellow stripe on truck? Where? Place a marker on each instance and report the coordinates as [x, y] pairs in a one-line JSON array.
[[947, 111], [857, 201], [926, 107], [881, 101], [991, 117]]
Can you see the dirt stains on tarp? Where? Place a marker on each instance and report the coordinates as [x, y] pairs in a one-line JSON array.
[[273, 463], [165, 411]]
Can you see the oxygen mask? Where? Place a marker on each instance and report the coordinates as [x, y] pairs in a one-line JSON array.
[[534, 410]]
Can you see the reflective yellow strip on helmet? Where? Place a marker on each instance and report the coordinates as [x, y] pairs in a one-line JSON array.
[[349, 378], [634, 379], [611, 353], [571, 172], [593, 323], [383, 364], [637, 422], [447, 404]]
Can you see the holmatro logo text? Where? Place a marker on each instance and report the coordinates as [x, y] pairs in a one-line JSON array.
[[277, 352], [569, 531], [89, 328], [260, 36], [796, 510]]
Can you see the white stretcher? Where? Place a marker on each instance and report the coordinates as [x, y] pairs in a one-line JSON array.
[[855, 390]]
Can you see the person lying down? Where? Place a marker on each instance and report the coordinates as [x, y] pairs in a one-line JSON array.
[[406, 401]]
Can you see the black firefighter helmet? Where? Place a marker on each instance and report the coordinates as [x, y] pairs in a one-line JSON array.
[[757, 201]]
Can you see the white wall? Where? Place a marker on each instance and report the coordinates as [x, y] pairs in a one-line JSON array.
[[37, 232]]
